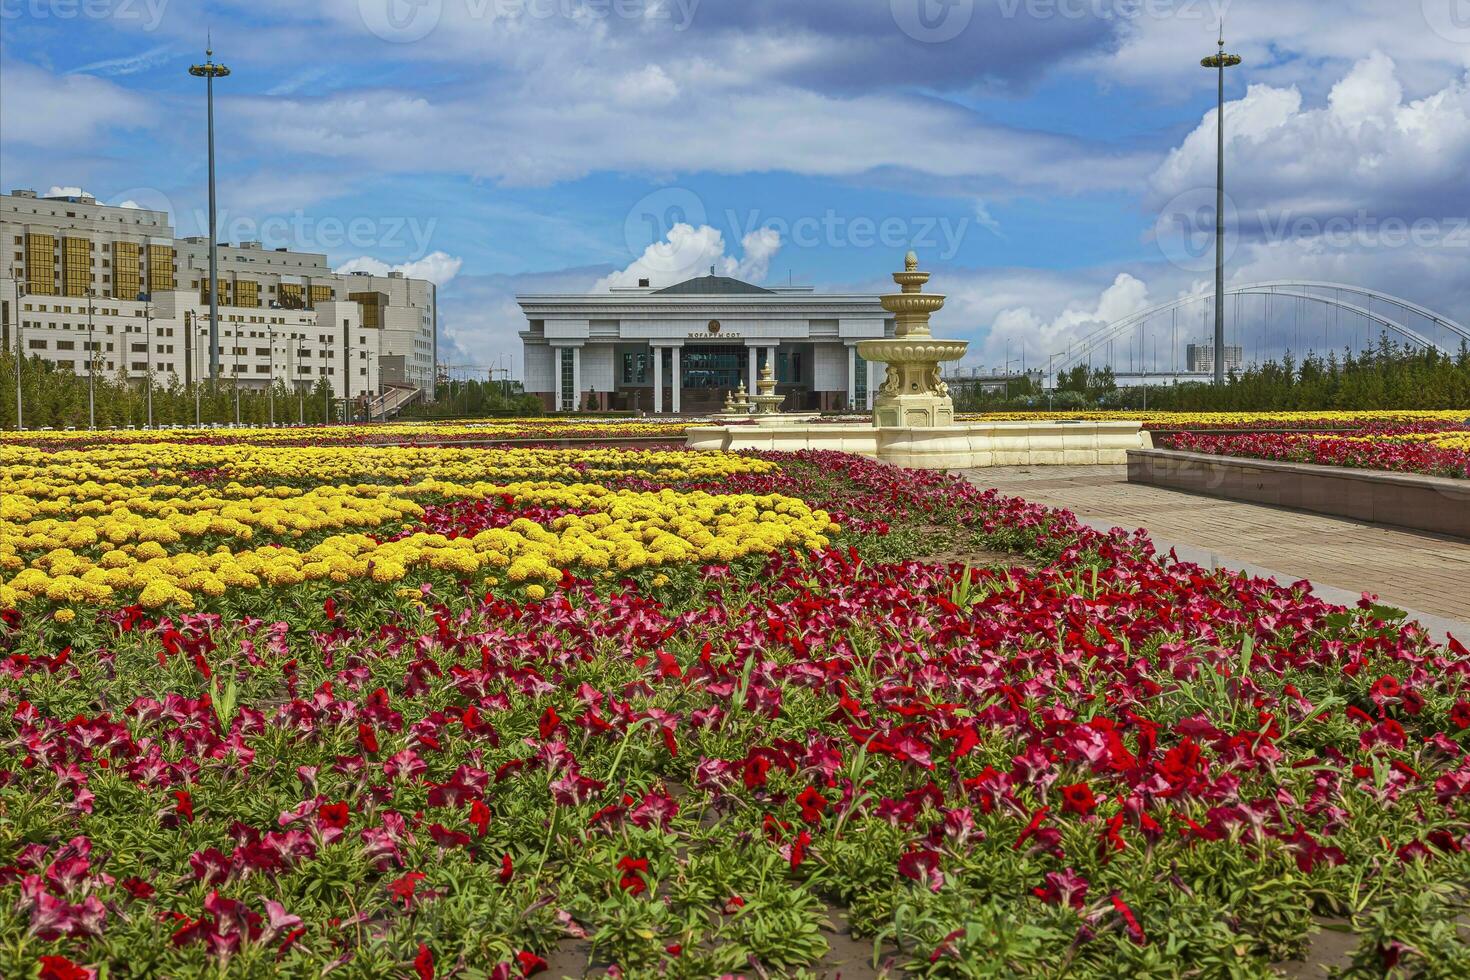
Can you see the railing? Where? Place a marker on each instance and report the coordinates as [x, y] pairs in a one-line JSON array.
[[392, 400]]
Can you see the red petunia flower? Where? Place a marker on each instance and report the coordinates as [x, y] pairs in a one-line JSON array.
[[530, 963], [1385, 687], [479, 817], [507, 870], [633, 870], [61, 968], [423, 963], [755, 773], [813, 805], [1135, 931], [367, 738], [403, 888], [1460, 715], [1078, 799], [335, 815], [184, 805]]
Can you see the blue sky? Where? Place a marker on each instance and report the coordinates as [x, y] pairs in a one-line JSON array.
[[1037, 153]]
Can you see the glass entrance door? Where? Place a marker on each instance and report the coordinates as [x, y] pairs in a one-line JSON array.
[[710, 367]]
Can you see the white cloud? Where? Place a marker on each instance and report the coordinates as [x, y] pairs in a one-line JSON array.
[[1367, 148], [1022, 331], [986, 220], [688, 251], [66, 112], [437, 267], [553, 126], [56, 191], [128, 65], [648, 88]]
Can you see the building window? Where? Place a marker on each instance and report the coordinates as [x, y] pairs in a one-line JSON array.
[[636, 368], [788, 367], [126, 283], [40, 264], [76, 266], [568, 395], [859, 381]]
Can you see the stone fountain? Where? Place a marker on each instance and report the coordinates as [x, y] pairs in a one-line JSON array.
[[912, 393], [913, 416]]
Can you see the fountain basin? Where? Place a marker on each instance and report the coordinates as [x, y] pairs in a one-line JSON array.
[[965, 445], [911, 350]]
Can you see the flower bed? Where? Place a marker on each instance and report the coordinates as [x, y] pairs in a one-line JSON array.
[[1405, 449], [1336, 420], [1085, 761]]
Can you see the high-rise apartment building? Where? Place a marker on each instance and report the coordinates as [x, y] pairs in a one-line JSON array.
[[75, 273]]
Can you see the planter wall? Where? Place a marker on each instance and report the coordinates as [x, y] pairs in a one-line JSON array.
[[1421, 503]]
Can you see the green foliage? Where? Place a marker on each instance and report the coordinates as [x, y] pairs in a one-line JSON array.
[[1387, 376]]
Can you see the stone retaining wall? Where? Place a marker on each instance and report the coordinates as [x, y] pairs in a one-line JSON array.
[[1421, 503]]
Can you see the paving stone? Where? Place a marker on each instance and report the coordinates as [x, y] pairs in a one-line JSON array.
[[1423, 572]]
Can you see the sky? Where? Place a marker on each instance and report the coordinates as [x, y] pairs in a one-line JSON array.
[[1051, 161]]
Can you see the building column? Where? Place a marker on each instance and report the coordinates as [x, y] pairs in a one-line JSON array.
[[658, 380], [754, 369], [576, 379], [674, 381], [851, 377], [872, 382]]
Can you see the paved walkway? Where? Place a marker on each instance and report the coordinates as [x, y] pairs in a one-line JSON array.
[[1427, 575]]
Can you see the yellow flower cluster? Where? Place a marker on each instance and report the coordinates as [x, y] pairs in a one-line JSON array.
[[395, 433], [116, 524], [131, 465], [1454, 439]]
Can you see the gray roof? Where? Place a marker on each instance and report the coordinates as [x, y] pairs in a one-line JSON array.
[[712, 285]]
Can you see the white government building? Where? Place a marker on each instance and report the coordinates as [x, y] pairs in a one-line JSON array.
[[682, 348], [71, 269]]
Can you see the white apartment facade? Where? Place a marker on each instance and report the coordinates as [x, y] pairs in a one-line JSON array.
[[75, 273], [684, 347]]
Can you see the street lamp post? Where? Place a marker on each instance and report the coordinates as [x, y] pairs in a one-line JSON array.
[[327, 385], [91, 366], [20, 423], [1220, 61], [209, 71], [270, 333], [195, 383], [146, 300]]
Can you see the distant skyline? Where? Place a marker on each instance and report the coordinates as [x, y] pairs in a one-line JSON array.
[[1046, 158]]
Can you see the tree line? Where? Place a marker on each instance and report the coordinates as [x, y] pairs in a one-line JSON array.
[[1387, 376], [57, 398]]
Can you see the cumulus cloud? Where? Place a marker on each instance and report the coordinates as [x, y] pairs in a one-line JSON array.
[[1023, 331], [69, 191], [649, 87], [437, 267], [66, 112], [1367, 147], [688, 251]]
